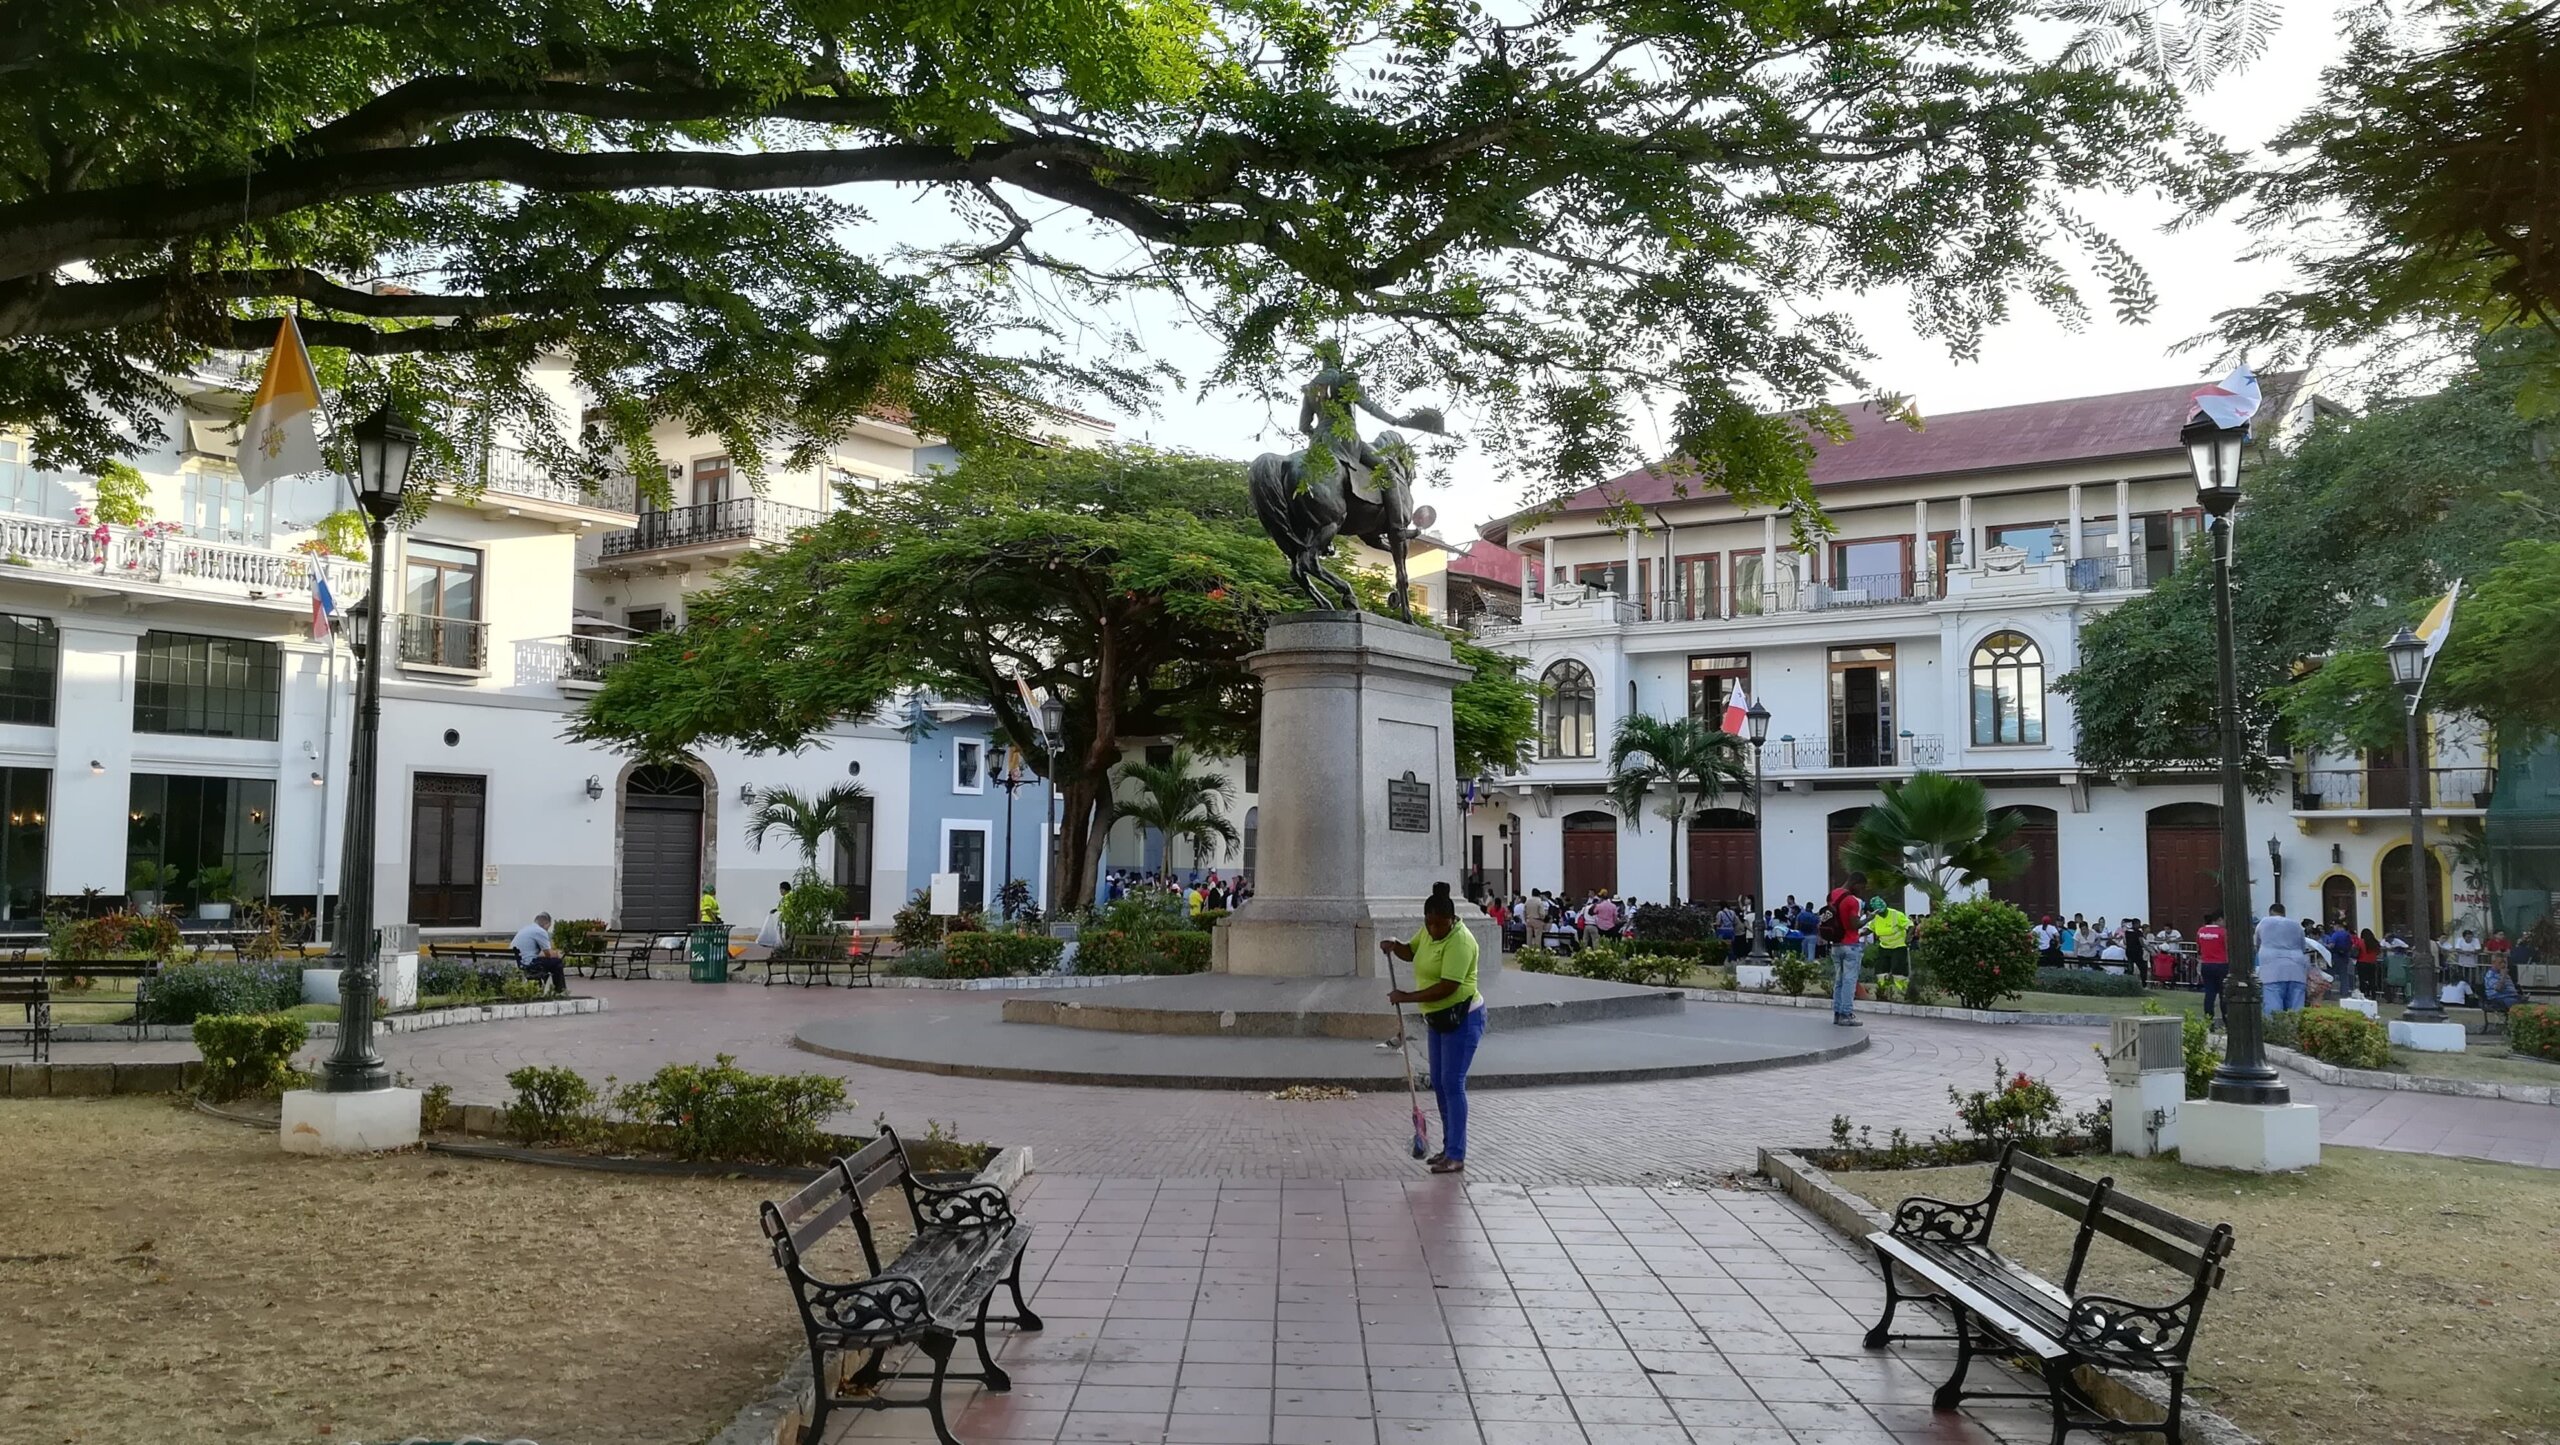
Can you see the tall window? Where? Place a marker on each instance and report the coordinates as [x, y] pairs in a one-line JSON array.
[[853, 861], [1252, 840], [186, 827], [1713, 679], [448, 823], [1253, 772], [1566, 722], [1693, 596], [441, 589], [26, 489], [207, 687], [1862, 734], [968, 766], [2008, 690], [220, 507], [710, 480], [30, 656], [24, 793]]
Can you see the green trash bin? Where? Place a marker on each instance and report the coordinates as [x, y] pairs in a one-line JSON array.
[[711, 953]]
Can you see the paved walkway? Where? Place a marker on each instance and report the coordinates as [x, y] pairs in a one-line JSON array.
[[1596, 1134], [1427, 1312]]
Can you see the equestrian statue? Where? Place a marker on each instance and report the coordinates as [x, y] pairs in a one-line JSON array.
[[1341, 486]]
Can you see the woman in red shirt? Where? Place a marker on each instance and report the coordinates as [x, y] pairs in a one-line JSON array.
[[2213, 962]]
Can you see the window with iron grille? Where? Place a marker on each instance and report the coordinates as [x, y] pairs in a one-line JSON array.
[[30, 658], [207, 687]]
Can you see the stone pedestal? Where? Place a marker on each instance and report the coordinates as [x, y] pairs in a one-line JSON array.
[[2368, 1007], [2256, 1138], [366, 1123], [396, 981], [2428, 1038], [1359, 804]]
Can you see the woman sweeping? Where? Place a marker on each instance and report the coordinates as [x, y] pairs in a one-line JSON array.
[[1443, 956]]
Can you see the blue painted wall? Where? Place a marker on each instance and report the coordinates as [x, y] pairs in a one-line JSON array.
[[934, 802]]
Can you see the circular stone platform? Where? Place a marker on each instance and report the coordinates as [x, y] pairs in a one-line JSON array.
[[1219, 1031]]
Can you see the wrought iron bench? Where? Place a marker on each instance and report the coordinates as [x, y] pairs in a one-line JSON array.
[[31, 992], [58, 973], [1993, 1299], [810, 961], [490, 953], [935, 1293]]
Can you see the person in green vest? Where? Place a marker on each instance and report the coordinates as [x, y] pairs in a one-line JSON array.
[[710, 907], [1890, 927], [1443, 956]]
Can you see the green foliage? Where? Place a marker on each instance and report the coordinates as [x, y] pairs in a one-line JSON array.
[[2017, 1108], [2284, 1030], [1206, 920], [808, 821], [914, 925], [124, 496], [1934, 832], [144, 875], [1494, 713], [1538, 960], [809, 910], [186, 992], [1690, 762], [520, 990], [247, 1053], [1178, 801], [2534, 1028], [1104, 949], [995, 954], [214, 883], [472, 980], [1184, 952], [2345, 1038], [1794, 973], [2496, 664], [2088, 983], [723, 1112], [2202, 1058], [921, 963], [1696, 952], [1680, 922], [435, 1109], [578, 936], [1980, 950], [551, 1106], [112, 935], [339, 534]]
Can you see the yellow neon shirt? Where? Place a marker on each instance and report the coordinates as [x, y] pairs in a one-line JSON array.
[[1436, 960]]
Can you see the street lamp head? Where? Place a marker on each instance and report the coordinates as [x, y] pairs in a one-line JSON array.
[[384, 449], [2408, 660], [1053, 717], [1758, 718], [2213, 454]]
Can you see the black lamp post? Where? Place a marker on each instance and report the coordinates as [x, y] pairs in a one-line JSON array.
[[2409, 669], [384, 448], [1011, 780], [1052, 723], [1758, 720], [2213, 452]]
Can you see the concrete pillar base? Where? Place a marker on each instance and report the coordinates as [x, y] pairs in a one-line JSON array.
[[2428, 1038], [367, 1123], [2156, 1092], [2253, 1138]]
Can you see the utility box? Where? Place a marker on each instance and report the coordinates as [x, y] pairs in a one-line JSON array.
[[2147, 1078]]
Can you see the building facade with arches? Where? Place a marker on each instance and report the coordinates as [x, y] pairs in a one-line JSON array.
[[1926, 629]]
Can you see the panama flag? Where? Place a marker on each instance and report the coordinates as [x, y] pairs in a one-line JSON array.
[[280, 440], [1737, 712], [324, 608], [2231, 403]]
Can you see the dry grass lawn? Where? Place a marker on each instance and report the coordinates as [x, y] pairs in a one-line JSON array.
[[2379, 1297], [169, 1277]]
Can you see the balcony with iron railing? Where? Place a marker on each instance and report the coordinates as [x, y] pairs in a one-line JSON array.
[[577, 662], [739, 521], [451, 644], [158, 557], [509, 473], [2386, 789], [1856, 747]]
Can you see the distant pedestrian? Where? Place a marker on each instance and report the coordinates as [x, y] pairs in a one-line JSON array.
[[2048, 943], [2213, 962], [537, 957], [2284, 961]]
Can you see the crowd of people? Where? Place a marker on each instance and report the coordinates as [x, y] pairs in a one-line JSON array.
[[1197, 892]]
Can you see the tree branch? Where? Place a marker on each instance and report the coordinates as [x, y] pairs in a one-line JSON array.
[[40, 307]]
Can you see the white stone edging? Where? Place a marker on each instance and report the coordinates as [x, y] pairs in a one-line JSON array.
[[442, 1018], [2294, 1059], [1822, 1001], [1801, 1180]]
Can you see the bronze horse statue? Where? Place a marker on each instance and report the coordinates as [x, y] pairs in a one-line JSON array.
[[1340, 486]]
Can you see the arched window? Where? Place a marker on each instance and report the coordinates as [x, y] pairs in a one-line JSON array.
[[1566, 727], [2008, 690]]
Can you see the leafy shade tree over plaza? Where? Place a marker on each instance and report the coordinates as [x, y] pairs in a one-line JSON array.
[[2340, 543], [1127, 584], [765, 221]]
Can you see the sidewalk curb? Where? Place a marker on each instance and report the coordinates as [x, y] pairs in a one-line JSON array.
[[1901, 1010], [1855, 1218], [2547, 1095], [443, 1018]]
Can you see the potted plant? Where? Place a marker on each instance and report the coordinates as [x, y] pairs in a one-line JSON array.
[[213, 890], [145, 881]]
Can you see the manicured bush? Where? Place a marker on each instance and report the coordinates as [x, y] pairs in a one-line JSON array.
[[186, 992], [1701, 952], [440, 976], [2202, 1058], [1537, 960], [248, 1053], [576, 935], [921, 963], [1980, 950], [551, 1106], [914, 924], [1207, 918], [2018, 1107], [720, 1111], [1185, 952], [2534, 1028], [2088, 983], [1001, 955], [1654, 970], [1675, 922], [112, 935], [2343, 1037], [2283, 1030], [810, 908], [1793, 973]]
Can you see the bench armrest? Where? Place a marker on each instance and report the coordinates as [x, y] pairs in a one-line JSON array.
[[888, 1304], [958, 1206], [1938, 1221], [2104, 1322]]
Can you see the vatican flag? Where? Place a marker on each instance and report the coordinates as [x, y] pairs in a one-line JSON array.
[[280, 440]]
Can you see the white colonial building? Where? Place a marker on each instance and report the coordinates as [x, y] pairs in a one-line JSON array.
[[1927, 632]]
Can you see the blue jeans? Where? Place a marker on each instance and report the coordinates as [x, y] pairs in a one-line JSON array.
[[2284, 995], [1846, 961], [1452, 1054]]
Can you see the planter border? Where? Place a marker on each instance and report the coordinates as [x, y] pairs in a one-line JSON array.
[[1809, 1185], [91, 1081], [409, 1023], [2547, 1095], [1900, 1010]]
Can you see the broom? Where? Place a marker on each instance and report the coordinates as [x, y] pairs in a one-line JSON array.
[[1421, 1133]]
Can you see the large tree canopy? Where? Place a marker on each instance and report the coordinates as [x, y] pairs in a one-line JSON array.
[[1127, 584], [766, 219], [2340, 543]]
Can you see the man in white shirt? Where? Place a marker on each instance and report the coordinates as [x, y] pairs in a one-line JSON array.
[[536, 957]]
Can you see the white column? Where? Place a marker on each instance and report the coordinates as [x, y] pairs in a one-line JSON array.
[[2124, 528], [1768, 561], [1920, 546], [1630, 586], [2075, 521]]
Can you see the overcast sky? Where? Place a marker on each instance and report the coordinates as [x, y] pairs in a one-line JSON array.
[[2032, 357]]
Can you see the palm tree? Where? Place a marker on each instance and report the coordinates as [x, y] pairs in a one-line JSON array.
[[1178, 803], [805, 820], [1934, 833], [1693, 760]]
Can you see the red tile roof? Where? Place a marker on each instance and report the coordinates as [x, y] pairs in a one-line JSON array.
[[1488, 562], [2032, 434]]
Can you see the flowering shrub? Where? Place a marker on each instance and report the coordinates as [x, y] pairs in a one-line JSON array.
[[1793, 973], [113, 935], [2345, 1038], [1537, 960], [1980, 950], [248, 1053], [2022, 1107], [999, 955], [2534, 1028]]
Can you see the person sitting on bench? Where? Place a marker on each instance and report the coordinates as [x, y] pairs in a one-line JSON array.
[[537, 956]]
